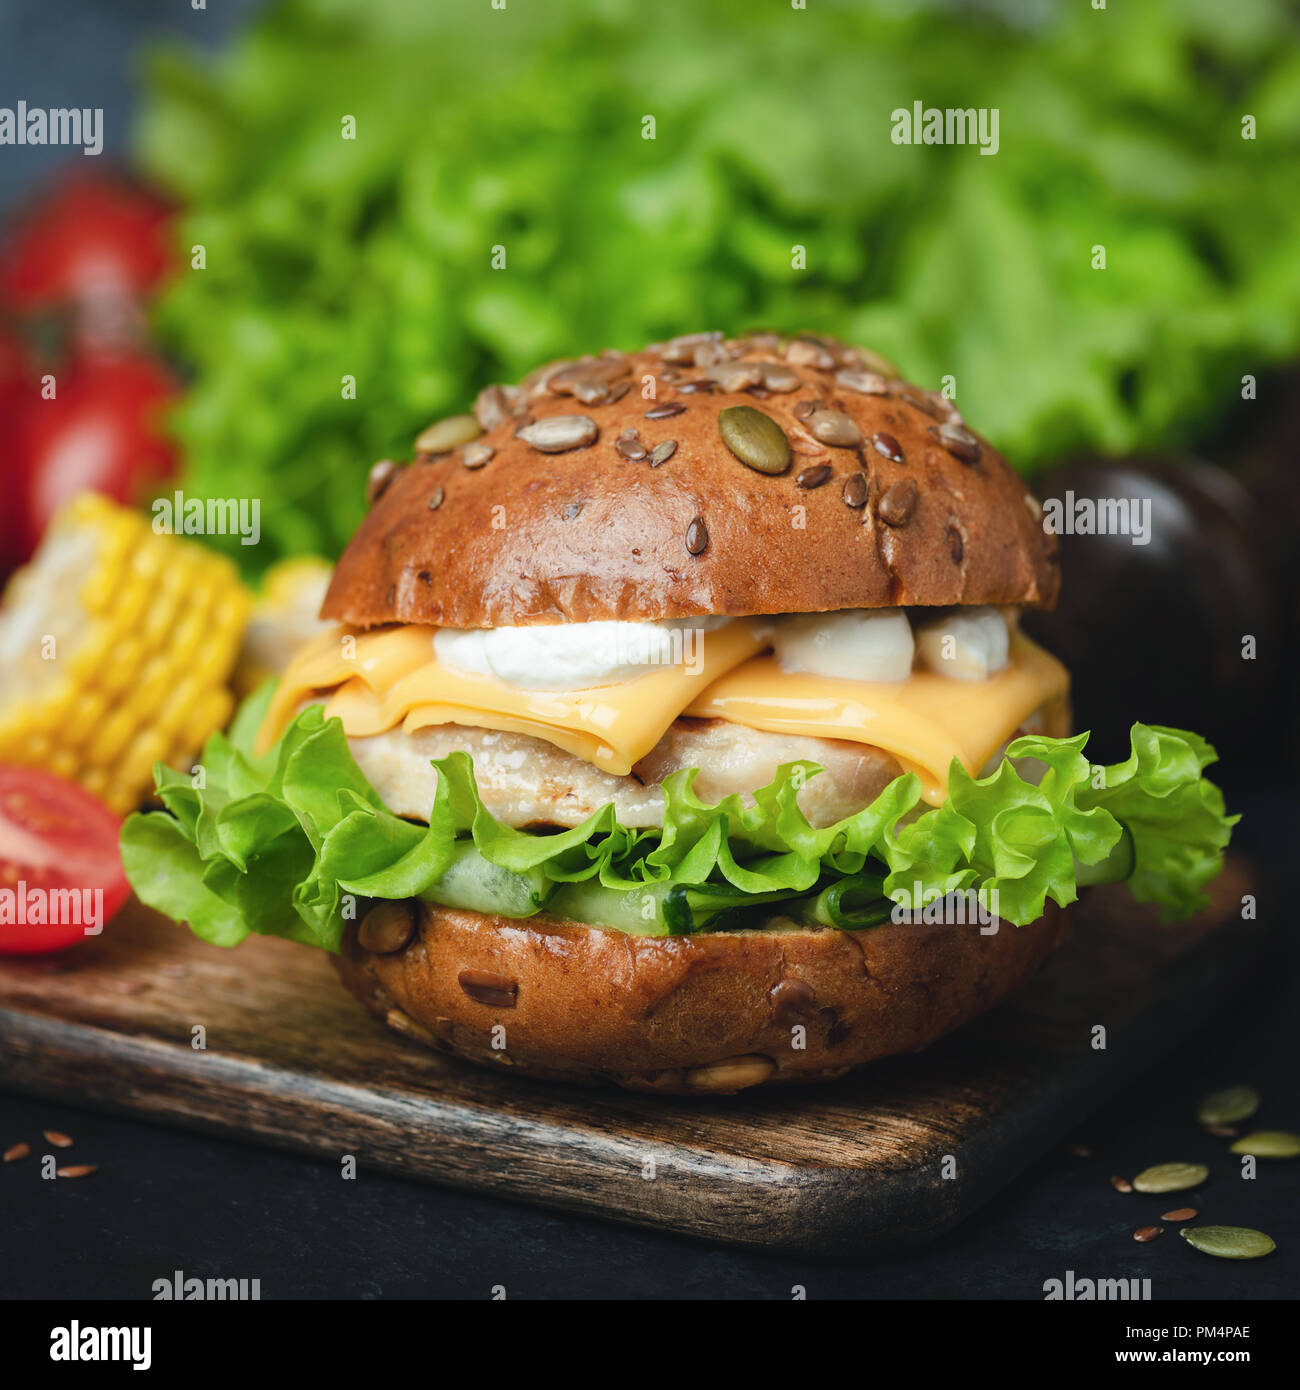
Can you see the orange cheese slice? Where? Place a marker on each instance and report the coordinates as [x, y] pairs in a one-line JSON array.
[[375, 681], [925, 721], [384, 678]]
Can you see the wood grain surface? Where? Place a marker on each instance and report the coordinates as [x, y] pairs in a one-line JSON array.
[[848, 1169]]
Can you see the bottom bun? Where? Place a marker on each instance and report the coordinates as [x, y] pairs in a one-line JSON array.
[[712, 1013]]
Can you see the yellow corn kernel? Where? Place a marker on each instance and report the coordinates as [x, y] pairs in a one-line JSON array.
[[64, 763], [86, 714], [144, 671]]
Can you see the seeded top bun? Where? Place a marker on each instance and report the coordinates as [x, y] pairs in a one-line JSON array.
[[767, 474]]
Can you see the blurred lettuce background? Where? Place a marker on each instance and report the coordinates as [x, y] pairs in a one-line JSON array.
[[523, 128]]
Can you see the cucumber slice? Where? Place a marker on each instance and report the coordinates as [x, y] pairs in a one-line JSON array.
[[1117, 866], [473, 882], [662, 910], [638, 911], [850, 904]]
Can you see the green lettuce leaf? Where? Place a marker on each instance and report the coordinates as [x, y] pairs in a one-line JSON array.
[[292, 843], [370, 257]]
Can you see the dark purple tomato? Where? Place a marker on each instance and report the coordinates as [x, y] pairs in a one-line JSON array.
[[1159, 628]]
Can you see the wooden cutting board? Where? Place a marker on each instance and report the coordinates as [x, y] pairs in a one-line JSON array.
[[849, 1168]]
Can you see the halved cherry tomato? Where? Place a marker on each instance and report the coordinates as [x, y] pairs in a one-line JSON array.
[[86, 235], [59, 862], [102, 432], [15, 387]]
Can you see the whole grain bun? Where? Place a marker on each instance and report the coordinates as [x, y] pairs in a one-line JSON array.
[[711, 1013], [498, 532]]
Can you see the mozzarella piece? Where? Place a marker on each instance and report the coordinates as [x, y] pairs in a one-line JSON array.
[[573, 656], [859, 644], [968, 644]]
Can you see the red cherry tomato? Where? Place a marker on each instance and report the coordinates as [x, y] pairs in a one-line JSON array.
[[14, 392], [90, 234], [59, 862], [101, 433]]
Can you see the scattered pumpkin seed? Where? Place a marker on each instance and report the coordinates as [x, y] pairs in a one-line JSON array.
[[378, 479], [888, 446], [1227, 1106], [1171, 1177], [895, 508], [444, 435], [493, 404], [813, 477], [1269, 1143], [864, 383], [835, 427], [855, 490], [755, 439], [557, 434], [738, 376], [1229, 1242], [476, 455], [960, 442], [779, 378]]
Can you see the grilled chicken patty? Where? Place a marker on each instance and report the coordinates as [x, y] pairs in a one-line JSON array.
[[525, 781]]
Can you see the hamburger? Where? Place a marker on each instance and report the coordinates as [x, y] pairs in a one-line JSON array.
[[674, 728]]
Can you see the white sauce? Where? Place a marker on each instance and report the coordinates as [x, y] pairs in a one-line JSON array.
[[574, 656], [858, 644]]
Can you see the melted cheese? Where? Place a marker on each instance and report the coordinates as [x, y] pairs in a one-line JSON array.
[[924, 722], [392, 676]]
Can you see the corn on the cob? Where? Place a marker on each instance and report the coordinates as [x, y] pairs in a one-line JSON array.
[[284, 618], [116, 644]]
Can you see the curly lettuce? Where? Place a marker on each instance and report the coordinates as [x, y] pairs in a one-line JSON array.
[[293, 842], [477, 128]]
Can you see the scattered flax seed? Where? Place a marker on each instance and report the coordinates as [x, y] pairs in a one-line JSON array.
[[1146, 1233], [16, 1151], [76, 1170], [1121, 1184], [1180, 1214], [58, 1139], [1080, 1150], [1222, 1131]]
